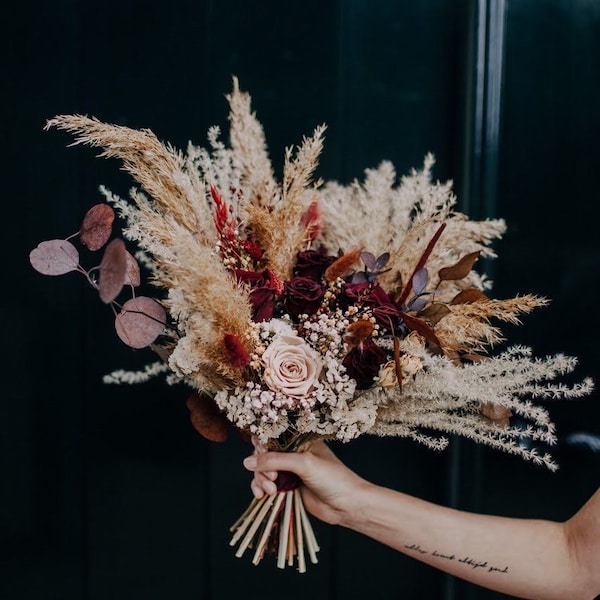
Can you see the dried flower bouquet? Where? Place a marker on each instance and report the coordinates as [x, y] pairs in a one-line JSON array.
[[299, 310]]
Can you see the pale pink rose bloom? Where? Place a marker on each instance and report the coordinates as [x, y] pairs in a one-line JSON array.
[[292, 367]]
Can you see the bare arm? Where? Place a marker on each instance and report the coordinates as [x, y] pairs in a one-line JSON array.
[[534, 559]]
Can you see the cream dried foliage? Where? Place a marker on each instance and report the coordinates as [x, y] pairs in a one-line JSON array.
[[366, 214], [467, 328], [448, 400]]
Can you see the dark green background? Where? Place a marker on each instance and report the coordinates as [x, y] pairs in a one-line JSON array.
[[108, 493]]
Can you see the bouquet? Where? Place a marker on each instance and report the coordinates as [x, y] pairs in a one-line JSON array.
[[298, 309]]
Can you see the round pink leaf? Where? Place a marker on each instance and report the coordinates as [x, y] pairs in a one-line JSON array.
[[97, 226], [54, 257], [132, 274], [113, 269], [140, 321]]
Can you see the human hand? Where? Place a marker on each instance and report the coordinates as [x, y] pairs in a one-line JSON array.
[[330, 490]]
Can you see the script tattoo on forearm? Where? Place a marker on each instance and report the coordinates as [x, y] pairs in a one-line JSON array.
[[466, 560]]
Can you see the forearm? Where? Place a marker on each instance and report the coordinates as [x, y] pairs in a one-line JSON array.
[[527, 559]]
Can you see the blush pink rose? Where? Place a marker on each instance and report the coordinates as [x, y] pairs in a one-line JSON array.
[[292, 367]]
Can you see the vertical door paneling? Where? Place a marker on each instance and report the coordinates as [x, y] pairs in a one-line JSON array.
[[547, 193]]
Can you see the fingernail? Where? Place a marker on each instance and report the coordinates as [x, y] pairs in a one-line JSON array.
[[250, 462]]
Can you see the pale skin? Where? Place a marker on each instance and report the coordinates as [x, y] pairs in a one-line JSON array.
[[526, 558]]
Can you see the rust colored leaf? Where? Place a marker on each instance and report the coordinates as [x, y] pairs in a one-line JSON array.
[[132, 271], [54, 257], [206, 418], [434, 313], [415, 324], [497, 413], [97, 226], [340, 267], [112, 271], [140, 321], [459, 270], [469, 296]]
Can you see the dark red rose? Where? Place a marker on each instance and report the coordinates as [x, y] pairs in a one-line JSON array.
[[363, 363], [312, 264], [302, 295], [263, 290]]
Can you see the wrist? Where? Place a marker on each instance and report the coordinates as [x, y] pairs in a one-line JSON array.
[[356, 512]]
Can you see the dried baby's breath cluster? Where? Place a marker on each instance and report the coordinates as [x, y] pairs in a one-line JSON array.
[[301, 309]]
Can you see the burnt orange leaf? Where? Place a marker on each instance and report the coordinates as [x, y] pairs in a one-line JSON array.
[[421, 328], [54, 257], [206, 418], [459, 270], [434, 313], [112, 271], [132, 272], [340, 266], [140, 321], [469, 296], [97, 226]]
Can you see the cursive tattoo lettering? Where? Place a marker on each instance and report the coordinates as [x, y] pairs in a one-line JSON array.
[[466, 560]]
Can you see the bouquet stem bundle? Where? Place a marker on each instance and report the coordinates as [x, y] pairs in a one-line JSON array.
[[277, 524]]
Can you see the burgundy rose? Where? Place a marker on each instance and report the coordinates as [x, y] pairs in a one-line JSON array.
[[263, 290], [363, 363], [302, 296], [312, 264]]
